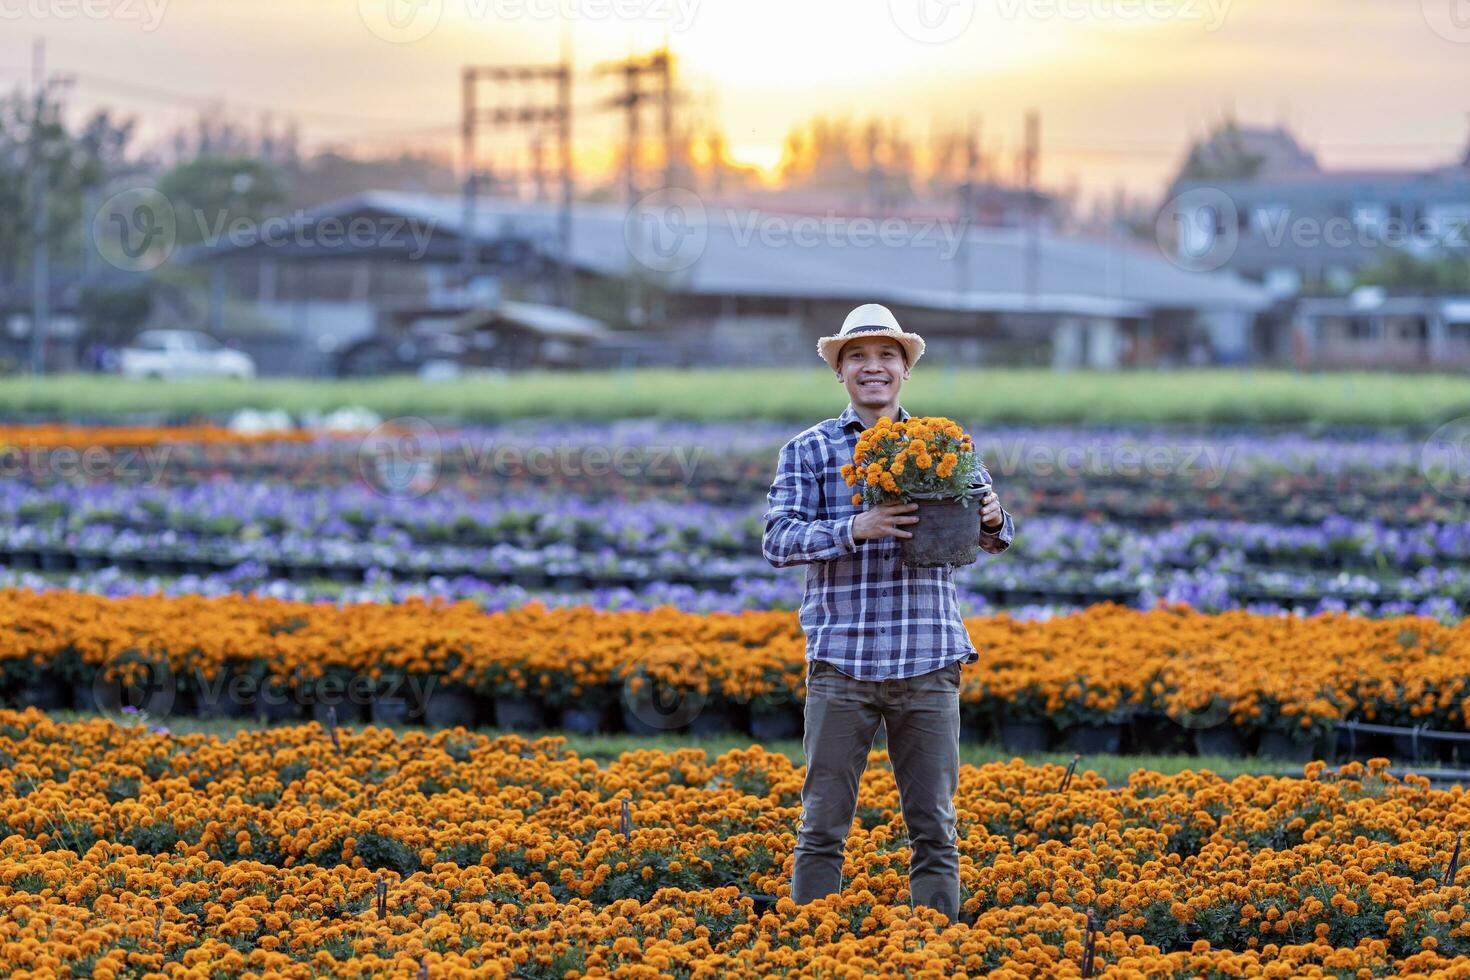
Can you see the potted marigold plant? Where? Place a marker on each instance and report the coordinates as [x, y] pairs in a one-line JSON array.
[[930, 461]]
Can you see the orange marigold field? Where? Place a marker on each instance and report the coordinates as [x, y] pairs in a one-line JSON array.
[[275, 853], [1296, 675]]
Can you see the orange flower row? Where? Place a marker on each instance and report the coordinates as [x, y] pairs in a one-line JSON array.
[[1294, 674], [82, 436], [262, 854]]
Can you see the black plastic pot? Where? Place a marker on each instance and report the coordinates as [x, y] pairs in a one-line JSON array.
[[275, 701], [216, 699], [1157, 733], [110, 698], [785, 723], [713, 719], [948, 533], [452, 707], [583, 721], [1106, 739], [975, 725], [47, 693], [1408, 748], [1025, 736], [1278, 745], [1361, 746], [522, 713], [57, 561], [646, 714], [1221, 740], [391, 711]]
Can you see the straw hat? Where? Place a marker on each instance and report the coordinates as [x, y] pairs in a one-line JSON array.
[[870, 319]]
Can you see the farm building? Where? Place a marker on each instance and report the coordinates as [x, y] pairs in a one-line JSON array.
[[689, 284], [1369, 329]]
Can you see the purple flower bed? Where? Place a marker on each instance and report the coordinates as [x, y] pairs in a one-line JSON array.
[[1336, 521]]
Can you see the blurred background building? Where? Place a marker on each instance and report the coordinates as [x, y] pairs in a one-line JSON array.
[[337, 262]]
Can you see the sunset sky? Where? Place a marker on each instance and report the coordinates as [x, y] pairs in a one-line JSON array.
[[1122, 85]]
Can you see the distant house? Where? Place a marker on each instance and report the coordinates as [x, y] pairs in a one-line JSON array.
[[1253, 199], [1369, 329], [504, 336], [736, 286]]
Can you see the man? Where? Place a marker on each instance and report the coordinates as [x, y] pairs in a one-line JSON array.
[[884, 641]]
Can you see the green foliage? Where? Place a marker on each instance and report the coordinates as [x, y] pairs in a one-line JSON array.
[[972, 397], [1222, 157], [1401, 272], [79, 161], [114, 313], [211, 195]]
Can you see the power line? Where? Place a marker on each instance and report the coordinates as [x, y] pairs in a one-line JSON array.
[[144, 90], [402, 127]]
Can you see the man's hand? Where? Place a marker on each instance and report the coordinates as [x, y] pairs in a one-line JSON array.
[[884, 521], [991, 517]]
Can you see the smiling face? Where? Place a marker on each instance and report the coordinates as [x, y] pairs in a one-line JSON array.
[[873, 370]]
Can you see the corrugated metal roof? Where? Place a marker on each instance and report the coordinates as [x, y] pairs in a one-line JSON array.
[[751, 253]]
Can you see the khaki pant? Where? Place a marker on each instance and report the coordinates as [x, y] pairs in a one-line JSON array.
[[922, 715]]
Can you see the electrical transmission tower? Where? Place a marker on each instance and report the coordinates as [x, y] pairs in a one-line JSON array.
[[532, 115], [658, 70], [1031, 163]]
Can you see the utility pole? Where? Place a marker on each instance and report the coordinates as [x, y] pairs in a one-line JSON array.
[[666, 111], [631, 98], [469, 114], [967, 206], [567, 280], [633, 70], [538, 169], [532, 116], [40, 216], [660, 66], [1030, 163], [875, 187], [41, 211]]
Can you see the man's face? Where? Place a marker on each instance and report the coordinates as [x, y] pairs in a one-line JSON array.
[[872, 370]]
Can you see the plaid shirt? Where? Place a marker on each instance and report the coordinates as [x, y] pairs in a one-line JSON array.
[[864, 611]]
